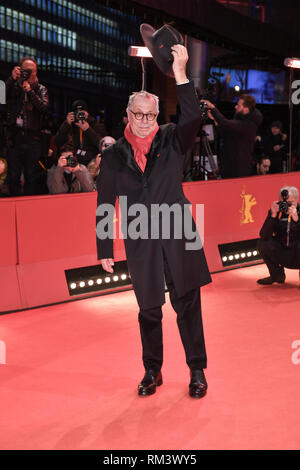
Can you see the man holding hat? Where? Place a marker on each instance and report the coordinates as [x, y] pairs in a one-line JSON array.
[[81, 131], [145, 166]]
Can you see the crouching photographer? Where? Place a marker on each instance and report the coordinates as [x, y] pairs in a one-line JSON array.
[[82, 131], [69, 176], [279, 243]]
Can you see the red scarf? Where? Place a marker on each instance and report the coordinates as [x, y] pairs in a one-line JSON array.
[[140, 145]]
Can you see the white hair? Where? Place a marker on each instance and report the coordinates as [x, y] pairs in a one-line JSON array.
[[291, 190], [143, 94]]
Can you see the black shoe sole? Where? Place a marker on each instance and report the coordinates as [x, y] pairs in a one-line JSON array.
[[270, 283], [197, 394]]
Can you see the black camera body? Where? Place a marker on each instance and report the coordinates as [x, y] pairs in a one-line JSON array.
[[25, 74], [203, 110], [209, 94], [72, 161], [79, 114], [284, 205]]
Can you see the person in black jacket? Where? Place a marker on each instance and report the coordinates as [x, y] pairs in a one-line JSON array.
[[27, 103], [279, 243], [238, 136], [275, 146], [145, 168], [83, 134]]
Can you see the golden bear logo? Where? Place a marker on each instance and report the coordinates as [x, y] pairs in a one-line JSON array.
[[248, 201]]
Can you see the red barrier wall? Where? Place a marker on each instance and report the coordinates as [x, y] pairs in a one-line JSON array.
[[9, 284], [44, 235]]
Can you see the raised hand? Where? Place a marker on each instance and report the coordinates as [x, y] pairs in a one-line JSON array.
[[181, 57]]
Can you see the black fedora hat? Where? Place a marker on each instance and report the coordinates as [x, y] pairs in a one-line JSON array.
[[159, 43]]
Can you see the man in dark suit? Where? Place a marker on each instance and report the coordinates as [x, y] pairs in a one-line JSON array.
[[146, 167]]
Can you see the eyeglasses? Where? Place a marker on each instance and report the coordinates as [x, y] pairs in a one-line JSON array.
[[140, 116]]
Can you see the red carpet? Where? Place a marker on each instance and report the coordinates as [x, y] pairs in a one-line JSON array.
[[72, 370]]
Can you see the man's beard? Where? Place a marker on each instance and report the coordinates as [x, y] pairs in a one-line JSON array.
[[238, 115]]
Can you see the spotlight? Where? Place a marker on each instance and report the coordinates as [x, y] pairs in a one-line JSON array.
[[292, 62], [238, 253], [92, 279], [237, 88], [139, 51]]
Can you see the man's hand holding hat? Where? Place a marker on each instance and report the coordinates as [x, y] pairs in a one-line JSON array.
[[180, 55]]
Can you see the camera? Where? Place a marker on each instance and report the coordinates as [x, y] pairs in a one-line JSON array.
[[72, 161], [25, 74], [203, 109], [79, 114], [209, 94], [284, 205]]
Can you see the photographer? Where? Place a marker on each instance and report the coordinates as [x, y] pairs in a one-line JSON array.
[[262, 166], [69, 176], [27, 102], [279, 243], [4, 189], [94, 165], [238, 135], [275, 145], [84, 131]]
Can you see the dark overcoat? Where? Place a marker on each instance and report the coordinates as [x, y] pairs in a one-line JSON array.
[[238, 137], [160, 183]]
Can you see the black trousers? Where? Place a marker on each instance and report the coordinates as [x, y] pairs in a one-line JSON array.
[[24, 156], [189, 320], [276, 256]]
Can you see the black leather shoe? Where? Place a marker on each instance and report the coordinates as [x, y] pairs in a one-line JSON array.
[[149, 382], [198, 384], [267, 281]]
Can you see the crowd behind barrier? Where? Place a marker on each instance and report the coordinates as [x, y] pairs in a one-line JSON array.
[[41, 156]]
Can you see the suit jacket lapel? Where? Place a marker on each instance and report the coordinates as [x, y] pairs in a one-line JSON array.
[[153, 153], [124, 149]]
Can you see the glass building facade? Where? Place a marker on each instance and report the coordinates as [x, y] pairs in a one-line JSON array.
[[81, 43]]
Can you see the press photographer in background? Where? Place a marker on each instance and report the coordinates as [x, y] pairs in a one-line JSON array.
[[275, 145], [262, 166], [238, 136], [279, 243], [69, 176], [82, 131], [4, 189], [27, 103], [94, 165]]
